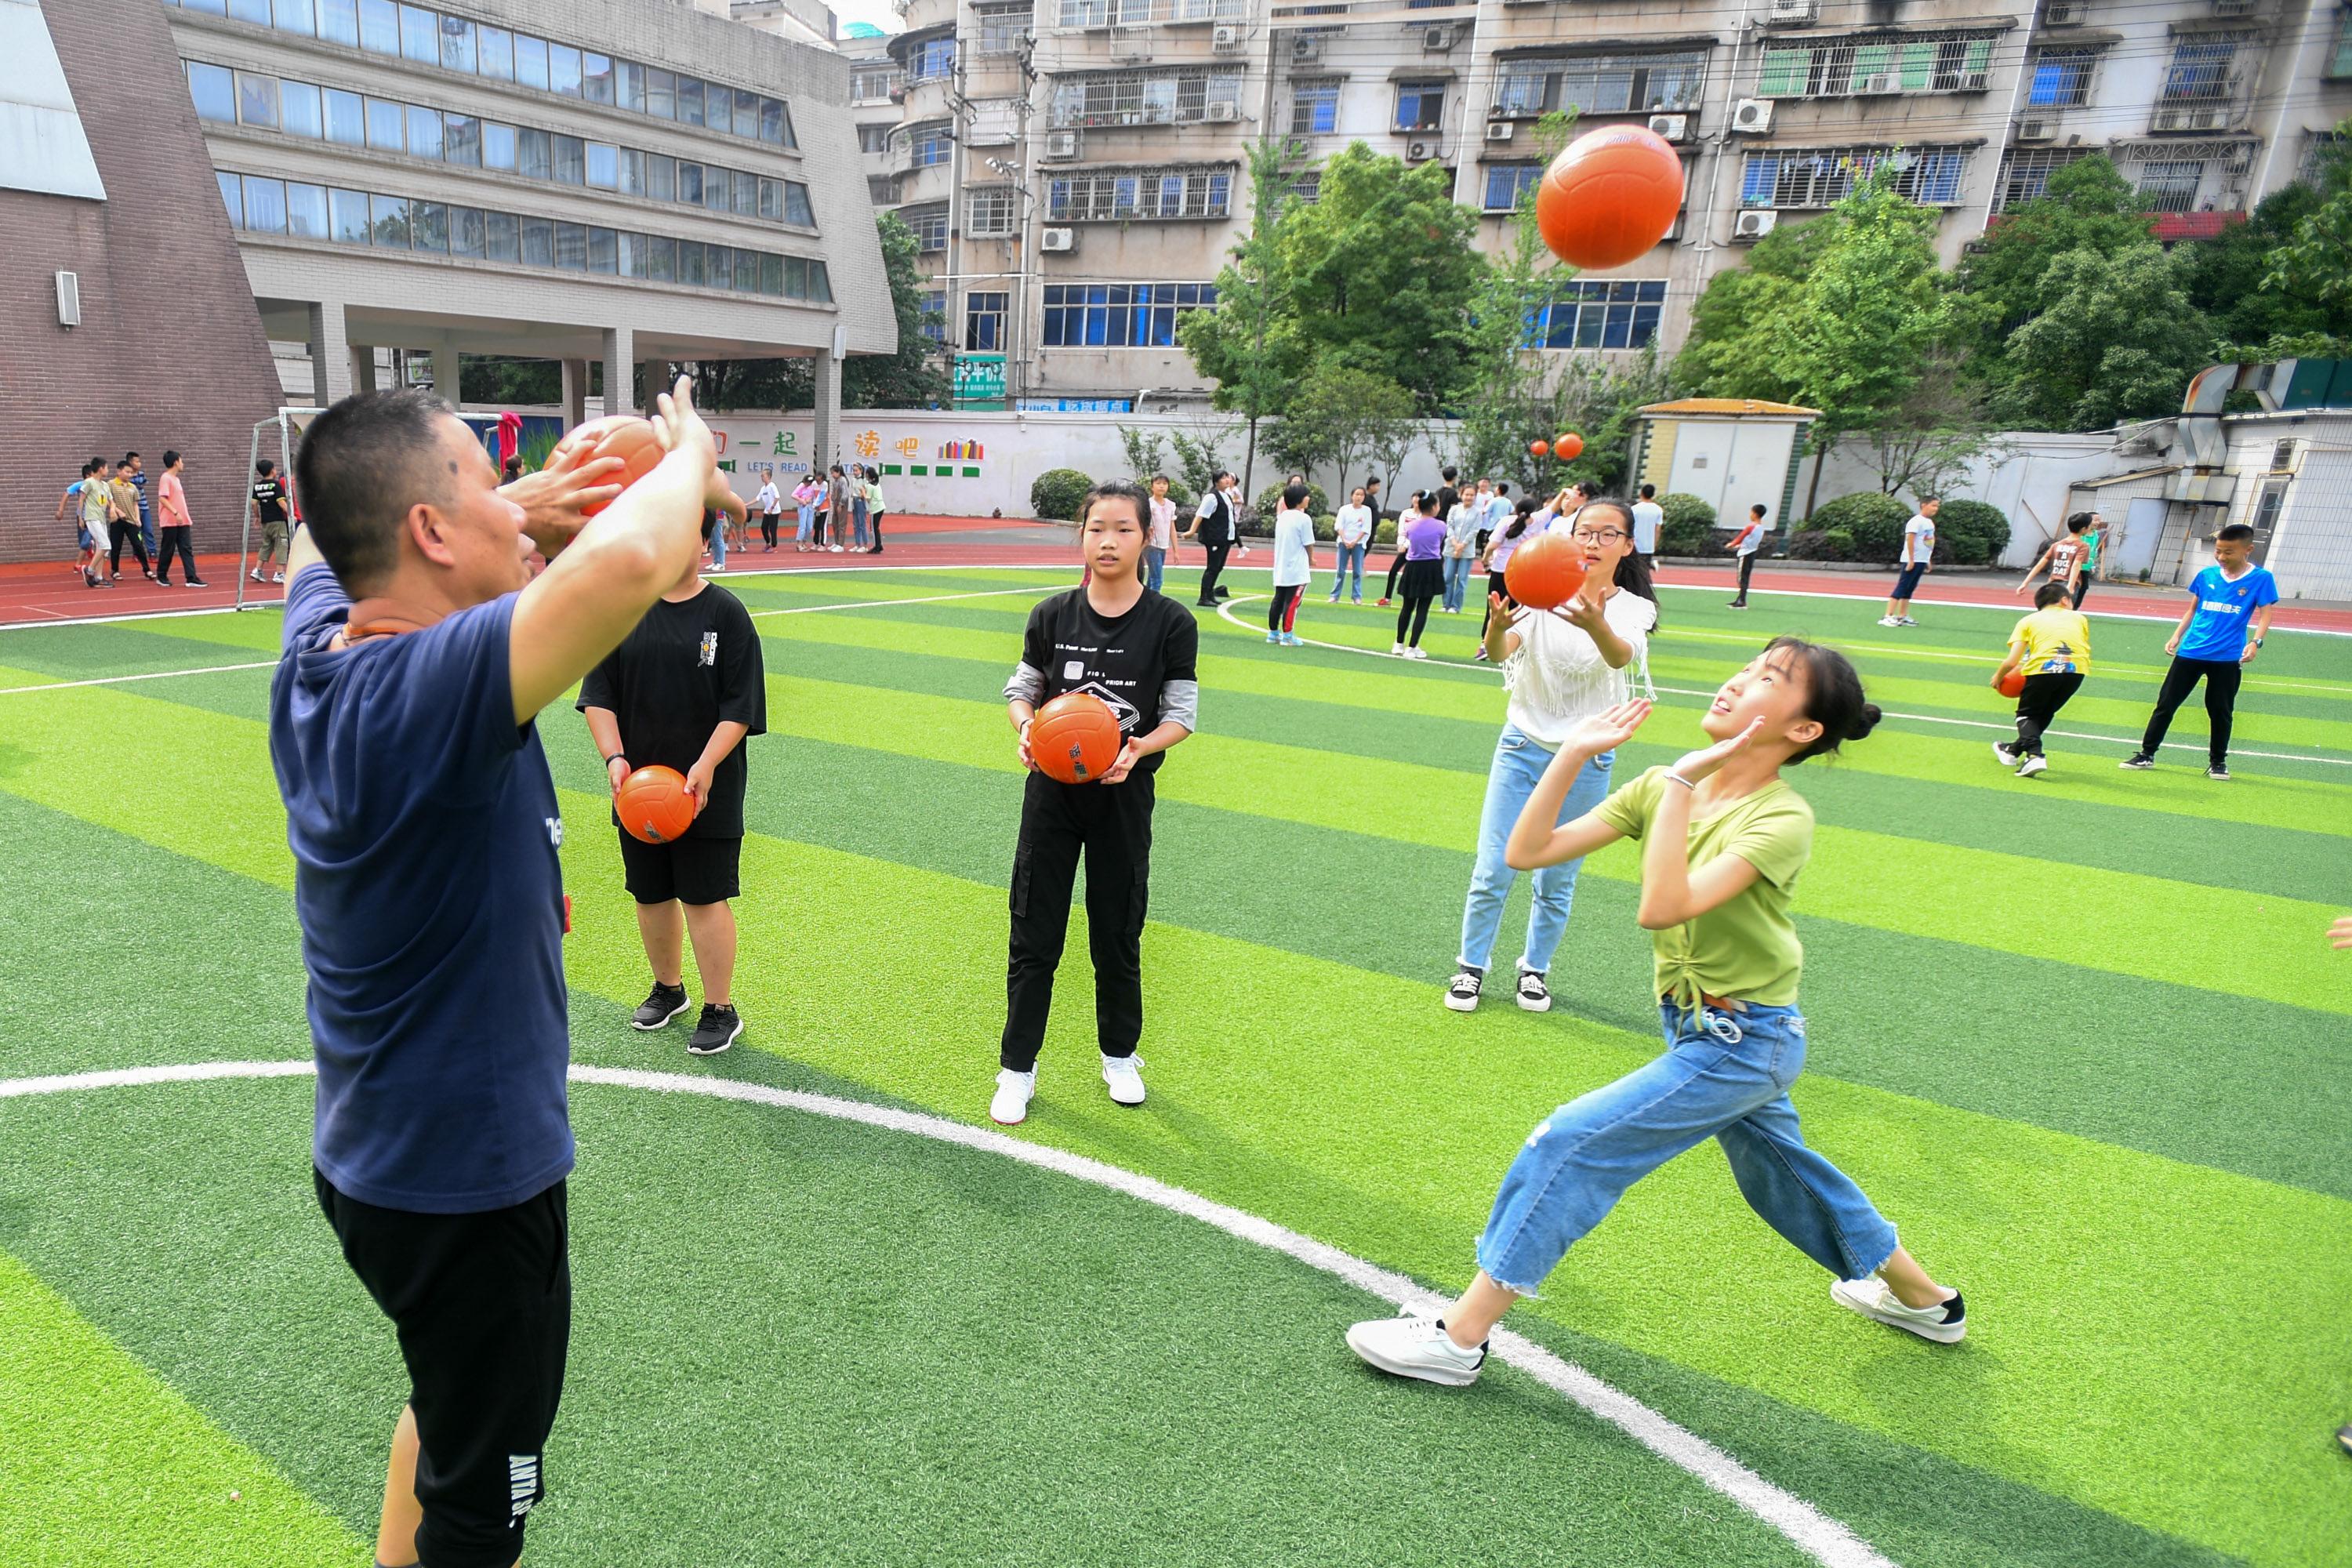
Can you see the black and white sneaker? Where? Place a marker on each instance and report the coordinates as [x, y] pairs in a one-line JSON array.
[[715, 1030], [1532, 995], [665, 1003], [2003, 755], [2138, 761], [2219, 772], [1462, 995]]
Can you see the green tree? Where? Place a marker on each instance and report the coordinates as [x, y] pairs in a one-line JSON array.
[[916, 375], [2116, 339], [1338, 415], [2227, 277], [1249, 345], [1505, 392], [1730, 351], [2316, 261]]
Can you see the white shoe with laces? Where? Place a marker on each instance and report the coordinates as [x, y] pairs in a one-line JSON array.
[[1462, 994], [1126, 1084], [1415, 1343], [1946, 1323], [1532, 995], [1009, 1107], [2031, 765], [2003, 755]]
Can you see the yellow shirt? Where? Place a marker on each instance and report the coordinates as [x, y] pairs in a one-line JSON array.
[[2056, 642]]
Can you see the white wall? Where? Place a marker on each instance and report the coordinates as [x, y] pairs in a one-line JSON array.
[[2029, 476]]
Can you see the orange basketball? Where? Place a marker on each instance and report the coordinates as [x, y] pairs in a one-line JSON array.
[[632, 440], [1569, 446], [1537, 448], [653, 805], [2013, 683], [1074, 738], [1545, 572], [1609, 197]]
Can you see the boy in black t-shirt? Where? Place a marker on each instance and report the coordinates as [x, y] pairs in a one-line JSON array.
[[1137, 652], [270, 516], [685, 690]]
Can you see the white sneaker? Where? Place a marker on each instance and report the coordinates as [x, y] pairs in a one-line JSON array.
[[1416, 653], [835, 549], [1888, 621], [1906, 621], [278, 577], [1415, 1344], [2032, 765], [1533, 996], [1009, 1107], [2003, 755], [1396, 650], [1462, 995], [1872, 1299], [1126, 1084]]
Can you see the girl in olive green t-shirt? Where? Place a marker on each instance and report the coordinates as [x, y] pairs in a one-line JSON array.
[[1723, 840]]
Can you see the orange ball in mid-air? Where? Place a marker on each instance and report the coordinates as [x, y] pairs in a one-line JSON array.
[[1545, 572], [653, 805], [1537, 448], [1609, 197], [1567, 447], [1074, 738]]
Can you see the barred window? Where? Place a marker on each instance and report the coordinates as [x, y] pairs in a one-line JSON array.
[[2201, 69], [1820, 176], [1600, 84], [1506, 181], [2171, 186], [2025, 172], [1120, 315], [2062, 79], [873, 84], [989, 211], [929, 224], [928, 145], [1314, 108], [1847, 68], [1102, 195], [931, 61], [1001, 28], [983, 321], [1139, 98]]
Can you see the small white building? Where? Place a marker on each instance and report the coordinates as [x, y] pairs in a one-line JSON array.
[[1731, 452]]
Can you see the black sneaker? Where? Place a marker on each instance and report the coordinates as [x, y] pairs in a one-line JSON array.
[[1533, 996], [1462, 995], [715, 1030], [2138, 761], [665, 1003], [2219, 772]]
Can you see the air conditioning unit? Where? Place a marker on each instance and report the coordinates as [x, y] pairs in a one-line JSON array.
[[1501, 130], [1878, 82], [1673, 126], [70, 298], [1221, 113], [1438, 40], [1420, 152], [2168, 119], [2208, 119], [1061, 145], [1306, 46], [2037, 131], [1754, 225], [1057, 239], [1130, 45], [2062, 14], [1752, 116], [1225, 40], [1791, 13]]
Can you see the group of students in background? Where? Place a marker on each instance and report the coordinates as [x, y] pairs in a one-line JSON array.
[[845, 504], [110, 507]]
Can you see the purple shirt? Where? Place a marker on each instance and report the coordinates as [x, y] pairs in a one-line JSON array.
[[1423, 538]]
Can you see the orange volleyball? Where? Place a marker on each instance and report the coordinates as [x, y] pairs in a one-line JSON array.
[[1537, 448], [1567, 447]]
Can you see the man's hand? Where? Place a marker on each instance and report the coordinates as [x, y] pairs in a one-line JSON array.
[[1128, 757], [617, 772], [697, 782], [554, 499]]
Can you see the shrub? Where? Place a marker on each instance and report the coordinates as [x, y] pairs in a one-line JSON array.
[[1873, 520], [1685, 531], [1326, 529], [1384, 533], [1821, 545], [1057, 493], [1971, 533], [1269, 502]]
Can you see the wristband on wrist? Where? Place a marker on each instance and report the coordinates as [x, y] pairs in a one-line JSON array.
[[616, 757], [1680, 780]]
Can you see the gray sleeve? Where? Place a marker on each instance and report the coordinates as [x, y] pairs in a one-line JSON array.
[[1180, 703], [1027, 685]]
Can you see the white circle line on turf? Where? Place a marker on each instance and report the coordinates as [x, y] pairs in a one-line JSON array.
[[1821, 1537], [1473, 667]]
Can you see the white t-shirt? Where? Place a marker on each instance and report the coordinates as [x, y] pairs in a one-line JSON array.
[[1920, 534], [768, 499], [1354, 524], [1293, 533], [1557, 677], [1647, 517], [1163, 523], [1751, 537]]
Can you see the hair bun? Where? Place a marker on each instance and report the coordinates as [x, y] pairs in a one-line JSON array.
[[1865, 723]]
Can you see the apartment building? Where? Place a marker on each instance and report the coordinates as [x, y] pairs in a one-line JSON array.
[[1077, 169], [615, 182]]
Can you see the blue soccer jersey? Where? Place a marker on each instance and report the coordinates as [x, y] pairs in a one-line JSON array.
[[2224, 605]]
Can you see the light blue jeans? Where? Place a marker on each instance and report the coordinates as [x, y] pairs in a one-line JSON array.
[[718, 543], [1155, 562], [1457, 579], [857, 539], [1351, 560], [1518, 767], [1726, 1076], [808, 525]]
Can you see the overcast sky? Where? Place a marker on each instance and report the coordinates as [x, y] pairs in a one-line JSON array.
[[877, 12]]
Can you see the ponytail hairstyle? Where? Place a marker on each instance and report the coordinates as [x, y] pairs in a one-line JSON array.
[[1833, 698], [1521, 510]]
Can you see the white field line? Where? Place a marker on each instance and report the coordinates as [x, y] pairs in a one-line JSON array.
[[149, 675], [1819, 1536]]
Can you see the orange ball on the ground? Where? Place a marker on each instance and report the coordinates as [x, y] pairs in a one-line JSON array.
[[653, 805], [1609, 197], [1074, 738], [1569, 446], [1537, 448], [1546, 573], [2013, 683]]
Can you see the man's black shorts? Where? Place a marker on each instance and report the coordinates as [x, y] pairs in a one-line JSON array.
[[482, 1304], [691, 870]]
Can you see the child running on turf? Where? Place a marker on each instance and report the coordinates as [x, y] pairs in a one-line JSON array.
[[1723, 839], [1560, 666], [1420, 537], [2052, 646], [1137, 651], [1294, 544]]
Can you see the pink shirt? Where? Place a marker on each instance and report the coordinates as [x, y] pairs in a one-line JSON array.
[[172, 497]]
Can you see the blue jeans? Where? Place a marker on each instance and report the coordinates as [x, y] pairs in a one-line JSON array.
[[1518, 765], [718, 543], [1725, 1076], [1457, 579], [806, 526], [1351, 560], [1155, 562], [857, 539]]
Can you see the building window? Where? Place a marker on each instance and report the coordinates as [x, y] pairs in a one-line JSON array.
[[1163, 98], [1596, 313], [380, 27], [989, 211], [1314, 108], [927, 145], [1001, 28], [931, 225], [930, 60], [2200, 69], [1506, 181], [419, 36], [383, 132], [1126, 194], [935, 316], [871, 84], [424, 133], [306, 210], [346, 217], [213, 88], [2062, 79], [265, 205], [2340, 63], [1847, 67], [873, 137], [1120, 315], [1307, 187], [1820, 176], [300, 109], [1420, 105], [2025, 172], [1600, 84], [256, 100], [983, 322], [232, 194], [881, 190], [2167, 187], [389, 221]]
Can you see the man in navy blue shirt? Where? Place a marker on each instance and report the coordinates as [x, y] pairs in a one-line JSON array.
[[418, 650], [2219, 635]]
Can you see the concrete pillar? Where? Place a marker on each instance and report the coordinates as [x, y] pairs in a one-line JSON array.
[[362, 367], [445, 373], [653, 380], [827, 447], [620, 370], [575, 392], [331, 354]]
